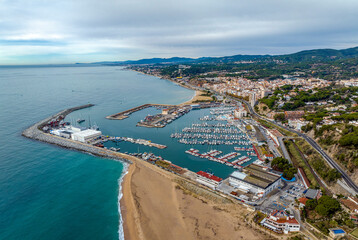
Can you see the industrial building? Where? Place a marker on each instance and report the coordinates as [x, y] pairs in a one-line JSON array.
[[86, 135], [208, 179], [256, 179]]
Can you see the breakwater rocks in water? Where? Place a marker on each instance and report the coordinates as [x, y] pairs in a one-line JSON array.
[[35, 132]]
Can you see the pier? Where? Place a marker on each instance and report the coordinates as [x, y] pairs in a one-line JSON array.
[[128, 139], [126, 113]]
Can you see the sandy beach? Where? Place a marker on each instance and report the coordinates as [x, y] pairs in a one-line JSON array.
[[197, 97], [159, 205]]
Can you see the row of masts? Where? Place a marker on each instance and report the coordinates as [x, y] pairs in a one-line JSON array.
[[209, 136]]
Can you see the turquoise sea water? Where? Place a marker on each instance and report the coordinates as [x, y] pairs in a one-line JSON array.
[[47, 192]]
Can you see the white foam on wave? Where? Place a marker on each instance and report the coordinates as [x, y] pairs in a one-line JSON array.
[[120, 195]]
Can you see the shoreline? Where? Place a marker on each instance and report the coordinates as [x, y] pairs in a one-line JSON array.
[[172, 207], [144, 204], [120, 196], [174, 212]]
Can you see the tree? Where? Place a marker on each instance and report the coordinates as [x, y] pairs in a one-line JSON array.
[[327, 206], [289, 173], [332, 175], [280, 117], [321, 210], [282, 164], [311, 204]]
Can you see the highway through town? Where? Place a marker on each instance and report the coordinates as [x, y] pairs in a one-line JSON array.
[[328, 159], [313, 143]]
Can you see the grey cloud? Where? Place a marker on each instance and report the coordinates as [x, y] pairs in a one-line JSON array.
[[120, 29]]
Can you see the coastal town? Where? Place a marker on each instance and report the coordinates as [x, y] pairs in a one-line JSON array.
[[272, 170], [287, 113], [179, 120]]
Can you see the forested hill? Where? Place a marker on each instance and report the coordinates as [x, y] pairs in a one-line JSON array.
[[317, 55]]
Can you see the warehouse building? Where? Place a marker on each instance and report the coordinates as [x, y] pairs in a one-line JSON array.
[[86, 135], [255, 179]]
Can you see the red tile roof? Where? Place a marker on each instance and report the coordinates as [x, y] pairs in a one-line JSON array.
[[290, 220], [209, 176], [303, 200]]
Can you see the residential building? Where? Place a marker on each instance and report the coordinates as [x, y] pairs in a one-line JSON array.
[[351, 203], [281, 222], [336, 233], [294, 114], [240, 112]]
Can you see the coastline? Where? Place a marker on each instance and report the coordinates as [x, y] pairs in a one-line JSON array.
[[120, 196], [157, 204], [166, 207], [163, 209], [196, 98]]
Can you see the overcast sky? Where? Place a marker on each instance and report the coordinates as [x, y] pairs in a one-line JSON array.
[[68, 31]]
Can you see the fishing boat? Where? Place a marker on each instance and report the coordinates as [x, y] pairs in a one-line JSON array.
[[80, 120]]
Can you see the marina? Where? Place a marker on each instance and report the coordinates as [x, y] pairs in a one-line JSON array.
[[212, 156], [190, 129]]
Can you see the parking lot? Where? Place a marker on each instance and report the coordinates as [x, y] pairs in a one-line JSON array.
[[284, 198]]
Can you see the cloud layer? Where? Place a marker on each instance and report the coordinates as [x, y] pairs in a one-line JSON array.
[[45, 31]]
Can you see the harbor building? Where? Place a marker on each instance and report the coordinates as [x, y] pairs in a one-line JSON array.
[[86, 135], [281, 222], [255, 179], [208, 179]]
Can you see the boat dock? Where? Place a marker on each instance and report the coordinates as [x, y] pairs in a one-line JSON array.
[[149, 143], [212, 156]]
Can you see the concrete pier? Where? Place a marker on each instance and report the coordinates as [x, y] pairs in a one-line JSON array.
[[126, 113]]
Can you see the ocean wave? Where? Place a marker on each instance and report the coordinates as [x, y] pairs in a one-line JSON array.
[[120, 195]]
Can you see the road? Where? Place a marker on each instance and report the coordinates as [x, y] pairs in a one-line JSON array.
[[330, 161], [284, 149]]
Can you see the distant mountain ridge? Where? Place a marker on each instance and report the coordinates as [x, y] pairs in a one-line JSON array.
[[317, 55]]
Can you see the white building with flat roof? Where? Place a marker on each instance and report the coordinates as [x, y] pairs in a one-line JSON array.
[[86, 135], [255, 179]]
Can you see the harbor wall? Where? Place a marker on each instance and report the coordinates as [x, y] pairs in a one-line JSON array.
[[35, 132]]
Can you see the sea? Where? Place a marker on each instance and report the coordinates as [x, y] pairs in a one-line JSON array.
[[47, 192]]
